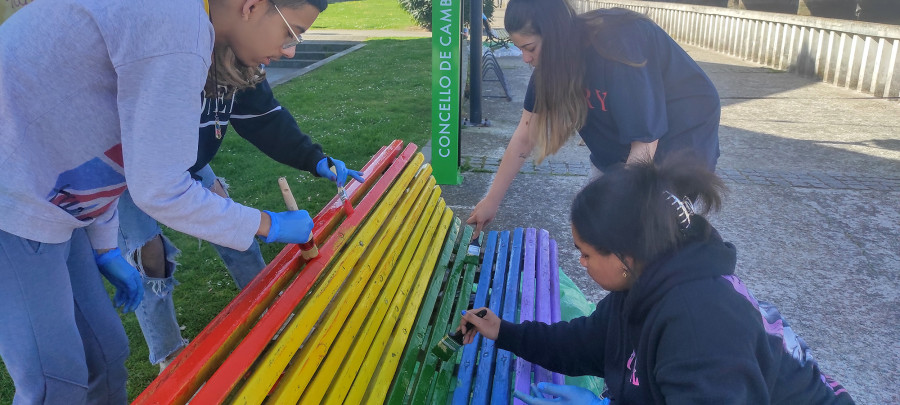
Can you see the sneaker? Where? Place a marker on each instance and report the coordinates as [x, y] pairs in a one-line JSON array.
[[168, 360]]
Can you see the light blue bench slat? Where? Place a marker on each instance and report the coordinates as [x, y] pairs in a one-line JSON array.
[[488, 352], [543, 307], [555, 311], [526, 307], [470, 351], [500, 389]]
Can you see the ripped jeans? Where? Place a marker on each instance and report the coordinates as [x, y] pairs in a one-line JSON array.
[[156, 313]]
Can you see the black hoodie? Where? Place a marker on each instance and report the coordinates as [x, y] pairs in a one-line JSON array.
[[257, 117], [687, 332]]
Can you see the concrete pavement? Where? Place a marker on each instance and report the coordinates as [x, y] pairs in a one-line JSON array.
[[813, 208], [814, 205]]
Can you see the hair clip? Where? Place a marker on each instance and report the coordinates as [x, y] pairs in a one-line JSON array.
[[684, 208]]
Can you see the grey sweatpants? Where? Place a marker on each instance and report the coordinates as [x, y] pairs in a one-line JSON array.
[[60, 337]]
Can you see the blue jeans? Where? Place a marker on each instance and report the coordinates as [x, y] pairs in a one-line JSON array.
[[156, 313], [61, 339]]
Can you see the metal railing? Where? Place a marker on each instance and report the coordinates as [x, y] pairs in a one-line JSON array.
[[855, 55]]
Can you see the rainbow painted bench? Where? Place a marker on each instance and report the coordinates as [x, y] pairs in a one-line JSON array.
[[357, 323]]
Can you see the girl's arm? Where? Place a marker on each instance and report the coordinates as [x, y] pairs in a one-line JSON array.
[[642, 151], [517, 152], [573, 348]]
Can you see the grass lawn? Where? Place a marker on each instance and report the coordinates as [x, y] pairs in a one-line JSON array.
[[352, 107], [365, 15]]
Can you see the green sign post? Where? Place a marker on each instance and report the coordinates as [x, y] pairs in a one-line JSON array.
[[445, 90]]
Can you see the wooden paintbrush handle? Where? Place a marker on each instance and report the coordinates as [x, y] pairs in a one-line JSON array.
[[308, 250]]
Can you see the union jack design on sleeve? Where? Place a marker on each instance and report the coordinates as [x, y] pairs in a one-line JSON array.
[[90, 189]]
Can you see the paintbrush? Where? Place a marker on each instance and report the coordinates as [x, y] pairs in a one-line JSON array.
[[451, 343], [345, 201], [308, 250]]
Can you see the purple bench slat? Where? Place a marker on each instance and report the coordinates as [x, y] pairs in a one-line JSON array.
[[555, 310], [543, 306], [526, 308]]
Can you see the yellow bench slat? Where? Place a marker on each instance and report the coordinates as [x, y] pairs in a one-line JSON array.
[[377, 260], [384, 315], [276, 358], [356, 329], [383, 367]]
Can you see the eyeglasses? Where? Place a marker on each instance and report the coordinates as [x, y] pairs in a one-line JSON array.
[[297, 38]]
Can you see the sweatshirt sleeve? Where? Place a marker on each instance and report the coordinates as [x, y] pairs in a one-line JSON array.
[[573, 348], [261, 120], [698, 359], [104, 231], [158, 110]]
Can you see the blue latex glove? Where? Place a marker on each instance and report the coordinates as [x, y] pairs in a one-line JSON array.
[[565, 394], [289, 227], [123, 276], [340, 179]]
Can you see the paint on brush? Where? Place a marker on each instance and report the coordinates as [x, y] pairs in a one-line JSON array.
[[445, 349], [342, 193], [473, 252]]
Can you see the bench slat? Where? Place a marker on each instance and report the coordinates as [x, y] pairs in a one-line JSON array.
[[244, 355], [555, 312], [207, 351], [428, 284], [372, 376], [359, 285], [470, 351], [444, 381], [484, 376], [368, 312], [359, 253], [543, 294], [500, 393], [408, 376], [526, 307], [429, 371]]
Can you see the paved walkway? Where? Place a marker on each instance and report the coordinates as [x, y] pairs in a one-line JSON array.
[[814, 206], [276, 75]]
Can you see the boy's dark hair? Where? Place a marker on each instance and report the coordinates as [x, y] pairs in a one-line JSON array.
[[229, 73], [627, 210]]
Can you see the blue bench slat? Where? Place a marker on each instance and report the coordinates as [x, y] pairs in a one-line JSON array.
[[488, 353], [467, 364], [555, 310], [526, 307], [543, 306], [500, 392]]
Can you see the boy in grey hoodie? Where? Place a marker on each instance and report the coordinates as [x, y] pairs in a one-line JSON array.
[[82, 85]]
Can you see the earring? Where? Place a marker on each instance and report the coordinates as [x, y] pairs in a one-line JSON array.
[[625, 273]]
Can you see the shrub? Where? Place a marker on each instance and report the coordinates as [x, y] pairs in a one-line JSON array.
[[420, 10]]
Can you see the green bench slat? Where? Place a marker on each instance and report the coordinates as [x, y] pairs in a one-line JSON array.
[[442, 385], [406, 374]]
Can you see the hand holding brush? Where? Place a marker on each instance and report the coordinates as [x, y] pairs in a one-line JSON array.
[[473, 321], [336, 171]]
